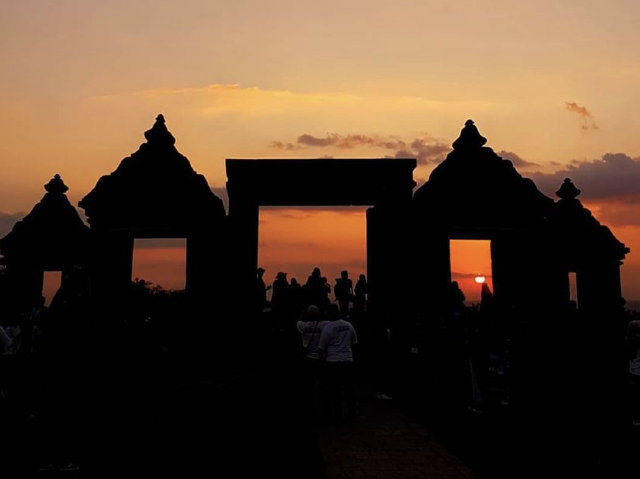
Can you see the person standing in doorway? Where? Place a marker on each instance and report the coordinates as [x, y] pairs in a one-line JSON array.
[[344, 292]]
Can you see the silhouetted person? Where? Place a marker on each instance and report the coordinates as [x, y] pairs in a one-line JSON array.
[[314, 289], [360, 298], [325, 290], [344, 292], [296, 300], [280, 293], [455, 298], [260, 291], [486, 299], [310, 327], [336, 350]]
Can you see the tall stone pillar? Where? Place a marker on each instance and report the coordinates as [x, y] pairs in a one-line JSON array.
[[244, 225], [112, 264]]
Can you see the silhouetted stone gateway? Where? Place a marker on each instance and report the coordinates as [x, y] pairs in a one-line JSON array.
[[473, 194], [385, 184], [535, 244], [52, 237], [155, 193]]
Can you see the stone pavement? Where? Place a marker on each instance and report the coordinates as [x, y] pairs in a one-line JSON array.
[[384, 443]]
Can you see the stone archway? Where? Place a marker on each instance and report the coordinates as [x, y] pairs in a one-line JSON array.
[[384, 184]]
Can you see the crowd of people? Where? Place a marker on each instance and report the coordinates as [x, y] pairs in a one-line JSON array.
[[290, 298], [340, 340]]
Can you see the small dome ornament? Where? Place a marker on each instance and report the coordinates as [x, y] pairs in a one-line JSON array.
[[56, 186], [469, 137], [568, 191], [159, 134]]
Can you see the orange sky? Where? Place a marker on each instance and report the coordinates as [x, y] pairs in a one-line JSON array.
[[553, 82], [297, 240]]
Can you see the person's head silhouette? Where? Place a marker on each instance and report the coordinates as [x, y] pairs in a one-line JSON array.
[[333, 312]]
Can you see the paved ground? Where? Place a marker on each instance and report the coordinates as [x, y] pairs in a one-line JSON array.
[[383, 443]]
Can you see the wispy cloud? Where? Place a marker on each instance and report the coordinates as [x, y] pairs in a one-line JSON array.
[[231, 99], [586, 117]]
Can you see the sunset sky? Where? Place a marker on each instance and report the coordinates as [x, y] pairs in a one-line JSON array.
[[552, 84]]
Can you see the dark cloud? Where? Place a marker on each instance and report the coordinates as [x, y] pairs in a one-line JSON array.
[[155, 243], [610, 187], [587, 120], [616, 175], [291, 244], [517, 161], [456, 275], [292, 216], [425, 149], [7, 220]]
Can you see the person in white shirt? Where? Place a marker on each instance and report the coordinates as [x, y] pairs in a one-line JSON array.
[[335, 349]]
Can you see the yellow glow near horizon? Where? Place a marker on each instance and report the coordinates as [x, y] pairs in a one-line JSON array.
[[468, 257]]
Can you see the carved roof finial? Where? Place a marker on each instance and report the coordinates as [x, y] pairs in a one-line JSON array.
[[568, 191], [56, 186], [469, 137], [159, 134]]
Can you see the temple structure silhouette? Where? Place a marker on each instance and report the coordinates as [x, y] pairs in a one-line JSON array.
[[536, 242]]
